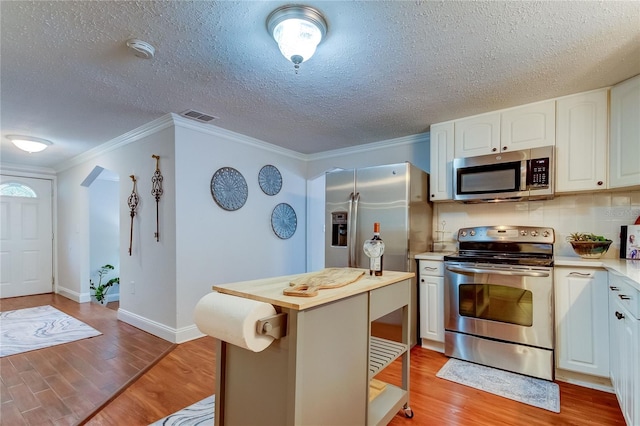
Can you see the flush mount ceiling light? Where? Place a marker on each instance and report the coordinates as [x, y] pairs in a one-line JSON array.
[[29, 143], [298, 30]]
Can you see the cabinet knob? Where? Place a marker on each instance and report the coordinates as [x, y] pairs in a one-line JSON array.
[[504, 148], [600, 183], [624, 297], [614, 288], [494, 149], [619, 315]]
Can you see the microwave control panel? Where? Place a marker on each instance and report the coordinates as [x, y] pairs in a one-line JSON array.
[[538, 175]]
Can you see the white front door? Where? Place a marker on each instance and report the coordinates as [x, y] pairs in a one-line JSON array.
[[26, 236]]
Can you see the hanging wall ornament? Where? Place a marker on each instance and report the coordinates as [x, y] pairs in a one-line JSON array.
[[270, 179], [229, 188], [156, 191], [133, 205]]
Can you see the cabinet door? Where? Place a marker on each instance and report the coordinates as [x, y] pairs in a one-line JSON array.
[[582, 338], [441, 178], [582, 142], [625, 346], [624, 148], [432, 308], [477, 135], [528, 126], [626, 355]]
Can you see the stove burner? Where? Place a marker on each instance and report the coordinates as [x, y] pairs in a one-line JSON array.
[[509, 245]]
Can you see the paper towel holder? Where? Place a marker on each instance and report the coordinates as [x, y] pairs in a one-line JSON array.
[[274, 326]]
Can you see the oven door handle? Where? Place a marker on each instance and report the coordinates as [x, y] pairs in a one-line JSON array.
[[497, 271]]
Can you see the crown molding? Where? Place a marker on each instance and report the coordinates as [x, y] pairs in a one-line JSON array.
[[235, 137], [176, 120], [138, 133], [374, 146]]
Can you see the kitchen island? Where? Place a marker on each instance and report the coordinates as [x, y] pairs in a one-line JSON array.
[[320, 371]]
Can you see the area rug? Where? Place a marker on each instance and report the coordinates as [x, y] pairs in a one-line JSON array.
[[28, 329], [200, 413], [528, 390]]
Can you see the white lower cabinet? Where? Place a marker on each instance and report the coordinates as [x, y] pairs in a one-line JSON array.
[[582, 330], [431, 283], [624, 320]]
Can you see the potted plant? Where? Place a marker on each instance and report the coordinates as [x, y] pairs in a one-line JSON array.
[[589, 246], [100, 290]]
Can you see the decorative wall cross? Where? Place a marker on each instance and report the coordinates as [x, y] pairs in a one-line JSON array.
[[156, 191]]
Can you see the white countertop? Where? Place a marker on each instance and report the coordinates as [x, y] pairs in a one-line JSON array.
[[628, 268], [432, 255]]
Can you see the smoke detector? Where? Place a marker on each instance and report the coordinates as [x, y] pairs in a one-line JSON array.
[[140, 48]]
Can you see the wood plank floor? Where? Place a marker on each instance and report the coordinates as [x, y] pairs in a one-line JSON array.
[[187, 375], [63, 384]]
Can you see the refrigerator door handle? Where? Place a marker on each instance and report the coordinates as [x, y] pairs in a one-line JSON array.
[[349, 230], [354, 238]]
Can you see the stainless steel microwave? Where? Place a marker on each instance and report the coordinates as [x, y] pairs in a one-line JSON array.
[[506, 176]]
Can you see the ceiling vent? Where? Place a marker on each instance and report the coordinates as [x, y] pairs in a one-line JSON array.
[[198, 116]]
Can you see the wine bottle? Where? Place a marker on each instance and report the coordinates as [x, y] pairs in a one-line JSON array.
[[374, 249]]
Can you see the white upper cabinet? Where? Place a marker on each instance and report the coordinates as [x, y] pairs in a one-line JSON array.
[[582, 142], [441, 137], [624, 152], [523, 127], [528, 126], [477, 135]]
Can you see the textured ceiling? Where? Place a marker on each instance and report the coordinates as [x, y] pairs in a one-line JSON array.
[[387, 69]]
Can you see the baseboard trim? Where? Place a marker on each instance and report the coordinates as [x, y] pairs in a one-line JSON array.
[[433, 345], [74, 295], [584, 380], [162, 331]]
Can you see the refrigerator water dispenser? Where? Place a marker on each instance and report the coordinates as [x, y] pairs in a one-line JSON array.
[[339, 229]]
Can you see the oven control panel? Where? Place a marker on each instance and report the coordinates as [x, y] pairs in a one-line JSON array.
[[507, 233]]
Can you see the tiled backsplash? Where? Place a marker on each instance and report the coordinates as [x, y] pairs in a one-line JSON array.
[[601, 213]]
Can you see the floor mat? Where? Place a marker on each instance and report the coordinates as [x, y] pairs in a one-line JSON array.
[[528, 390], [200, 413], [28, 329]]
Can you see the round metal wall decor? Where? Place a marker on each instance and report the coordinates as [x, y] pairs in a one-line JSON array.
[[229, 188], [270, 179], [284, 221]]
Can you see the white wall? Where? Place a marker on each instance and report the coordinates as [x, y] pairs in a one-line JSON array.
[[147, 278], [600, 213], [200, 243], [216, 246], [104, 231]]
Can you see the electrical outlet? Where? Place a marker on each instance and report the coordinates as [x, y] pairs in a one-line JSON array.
[[132, 287]]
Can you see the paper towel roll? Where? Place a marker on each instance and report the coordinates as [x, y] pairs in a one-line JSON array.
[[233, 319]]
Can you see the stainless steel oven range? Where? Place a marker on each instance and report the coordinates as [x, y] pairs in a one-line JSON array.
[[499, 307]]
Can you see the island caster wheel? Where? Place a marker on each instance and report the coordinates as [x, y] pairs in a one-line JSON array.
[[408, 412]]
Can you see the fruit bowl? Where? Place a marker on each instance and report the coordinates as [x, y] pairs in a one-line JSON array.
[[590, 249]]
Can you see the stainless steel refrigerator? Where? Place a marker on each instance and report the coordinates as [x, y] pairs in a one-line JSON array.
[[394, 195]]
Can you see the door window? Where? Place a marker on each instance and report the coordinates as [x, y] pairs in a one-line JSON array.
[[15, 189]]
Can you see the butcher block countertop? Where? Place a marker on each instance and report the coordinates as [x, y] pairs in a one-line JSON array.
[[269, 290]]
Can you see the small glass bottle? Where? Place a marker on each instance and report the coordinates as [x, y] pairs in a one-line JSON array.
[[374, 249]]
